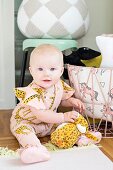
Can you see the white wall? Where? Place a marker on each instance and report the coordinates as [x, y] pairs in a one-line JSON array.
[[7, 61], [101, 21]]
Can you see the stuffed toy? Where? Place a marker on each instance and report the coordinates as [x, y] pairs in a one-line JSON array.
[[67, 134], [83, 56]]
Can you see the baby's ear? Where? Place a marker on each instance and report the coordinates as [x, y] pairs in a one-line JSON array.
[[30, 70], [62, 70], [20, 93]]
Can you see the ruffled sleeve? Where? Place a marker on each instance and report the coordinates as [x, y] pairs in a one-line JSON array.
[[30, 96], [20, 93], [67, 91]]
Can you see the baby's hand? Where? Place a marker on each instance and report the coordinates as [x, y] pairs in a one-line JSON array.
[[70, 116], [78, 105]]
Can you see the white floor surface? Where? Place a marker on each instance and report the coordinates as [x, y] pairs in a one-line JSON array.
[[85, 158]]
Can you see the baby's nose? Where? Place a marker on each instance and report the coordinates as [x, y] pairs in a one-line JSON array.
[[47, 72]]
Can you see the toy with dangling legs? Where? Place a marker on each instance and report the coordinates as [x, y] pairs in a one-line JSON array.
[[68, 134]]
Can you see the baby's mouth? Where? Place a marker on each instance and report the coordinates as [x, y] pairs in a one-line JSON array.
[[47, 81]]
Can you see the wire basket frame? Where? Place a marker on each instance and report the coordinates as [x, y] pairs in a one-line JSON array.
[[96, 91]]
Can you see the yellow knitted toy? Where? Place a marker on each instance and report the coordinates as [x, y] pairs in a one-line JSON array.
[[67, 134]]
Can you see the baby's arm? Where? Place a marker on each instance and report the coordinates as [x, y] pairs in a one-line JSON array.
[[69, 101], [49, 116], [73, 102]]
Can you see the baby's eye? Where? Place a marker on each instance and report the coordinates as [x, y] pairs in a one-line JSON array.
[[52, 69], [40, 69]]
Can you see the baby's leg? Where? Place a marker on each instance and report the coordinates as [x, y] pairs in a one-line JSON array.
[[32, 150]]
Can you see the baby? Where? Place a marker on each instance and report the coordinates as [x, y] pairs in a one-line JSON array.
[[36, 114]]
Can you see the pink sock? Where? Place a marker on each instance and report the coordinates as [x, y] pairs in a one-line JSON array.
[[34, 154]]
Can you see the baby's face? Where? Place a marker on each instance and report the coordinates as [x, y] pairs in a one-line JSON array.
[[46, 69]]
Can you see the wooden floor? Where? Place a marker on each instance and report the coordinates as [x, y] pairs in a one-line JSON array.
[[8, 140]]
